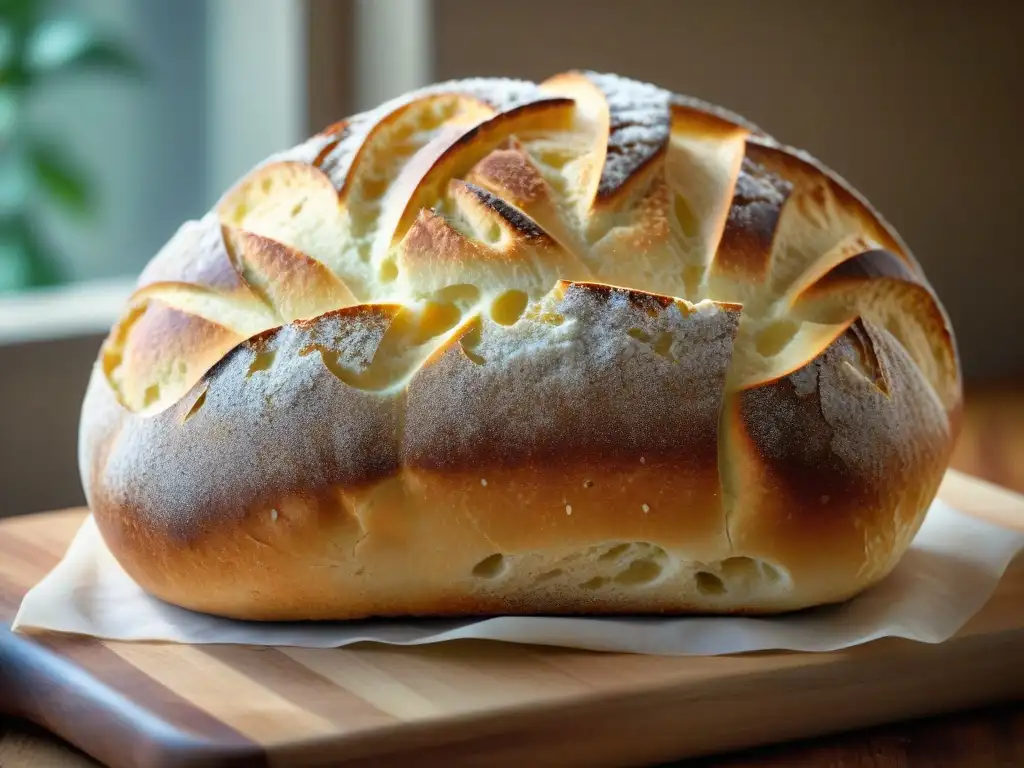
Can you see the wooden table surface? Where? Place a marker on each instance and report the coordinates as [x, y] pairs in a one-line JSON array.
[[991, 447]]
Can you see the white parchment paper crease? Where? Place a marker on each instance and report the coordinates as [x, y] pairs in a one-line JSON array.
[[950, 571]]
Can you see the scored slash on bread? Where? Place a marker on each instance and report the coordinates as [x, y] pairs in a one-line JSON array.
[[481, 241], [701, 169], [581, 346], [879, 286]]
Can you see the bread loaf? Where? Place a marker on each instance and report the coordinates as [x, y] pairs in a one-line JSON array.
[[578, 347]]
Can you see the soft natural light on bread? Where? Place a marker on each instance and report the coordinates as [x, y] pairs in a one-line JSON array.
[[496, 347]]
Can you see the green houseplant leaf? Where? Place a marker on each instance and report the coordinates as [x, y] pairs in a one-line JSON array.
[[58, 176], [15, 181], [24, 258], [36, 47], [67, 44]]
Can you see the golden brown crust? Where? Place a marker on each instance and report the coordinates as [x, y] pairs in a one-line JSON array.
[[459, 156], [883, 287], [158, 350], [570, 460], [813, 458], [582, 347], [294, 284]]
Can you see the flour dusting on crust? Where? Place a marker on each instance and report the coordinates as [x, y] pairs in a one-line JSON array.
[[587, 321]]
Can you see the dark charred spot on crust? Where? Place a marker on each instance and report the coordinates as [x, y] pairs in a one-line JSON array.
[[601, 290], [797, 165], [649, 301], [639, 126], [865, 267], [757, 184], [652, 303], [497, 123], [752, 221], [611, 185], [541, 105], [518, 220], [869, 265]]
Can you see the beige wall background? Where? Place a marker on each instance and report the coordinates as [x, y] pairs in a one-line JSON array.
[[916, 103], [41, 388]]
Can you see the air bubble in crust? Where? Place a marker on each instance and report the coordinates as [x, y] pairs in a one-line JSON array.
[[771, 573], [261, 362], [509, 307], [640, 572], [151, 395], [614, 552], [740, 568], [709, 584], [462, 295], [749, 570], [490, 567]]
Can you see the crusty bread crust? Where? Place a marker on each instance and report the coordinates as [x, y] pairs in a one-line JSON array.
[[584, 347]]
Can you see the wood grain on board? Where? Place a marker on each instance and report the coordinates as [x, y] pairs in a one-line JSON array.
[[469, 702]]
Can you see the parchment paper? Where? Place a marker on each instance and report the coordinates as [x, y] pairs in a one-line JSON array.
[[950, 571]]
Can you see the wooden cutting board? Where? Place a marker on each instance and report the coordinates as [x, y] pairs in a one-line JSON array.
[[475, 703]]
